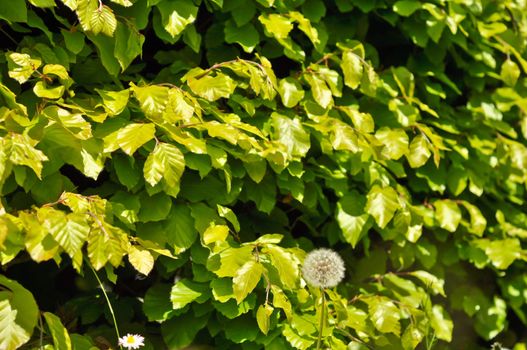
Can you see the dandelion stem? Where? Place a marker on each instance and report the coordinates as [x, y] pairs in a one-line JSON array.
[[322, 318], [108, 302]]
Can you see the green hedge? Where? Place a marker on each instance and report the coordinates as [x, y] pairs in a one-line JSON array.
[[165, 166]]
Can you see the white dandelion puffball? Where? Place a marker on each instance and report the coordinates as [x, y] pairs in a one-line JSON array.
[[131, 341], [323, 268]]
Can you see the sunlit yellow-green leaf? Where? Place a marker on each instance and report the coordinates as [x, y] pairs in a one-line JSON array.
[[246, 279]]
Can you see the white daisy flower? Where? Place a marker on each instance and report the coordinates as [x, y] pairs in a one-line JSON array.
[[323, 268], [132, 341]]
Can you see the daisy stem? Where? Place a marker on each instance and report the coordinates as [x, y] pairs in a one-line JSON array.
[[322, 318], [107, 302]]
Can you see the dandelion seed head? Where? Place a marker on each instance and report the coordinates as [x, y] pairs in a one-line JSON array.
[[323, 268]]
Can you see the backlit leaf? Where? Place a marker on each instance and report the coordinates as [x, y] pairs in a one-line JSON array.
[[212, 87], [102, 20], [130, 138], [291, 133], [448, 214], [384, 314], [382, 204], [185, 292], [352, 68], [176, 15], [246, 279], [141, 259], [351, 217], [418, 152], [165, 162], [290, 91], [61, 337], [395, 142], [441, 323]]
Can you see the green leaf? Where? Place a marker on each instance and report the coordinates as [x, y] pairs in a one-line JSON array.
[[43, 3], [24, 153], [177, 15], [276, 25], [165, 163], [152, 99], [157, 305], [222, 289], [8, 98], [73, 40], [478, 223], [130, 138], [418, 152], [127, 173], [430, 281], [179, 332], [395, 142], [321, 92], [228, 262], [247, 36], [114, 102], [21, 66], [305, 26], [69, 230], [246, 279], [285, 264], [351, 66], [406, 7], [105, 49], [441, 323], [510, 72], [185, 292], [125, 3], [384, 314], [192, 38], [12, 335], [263, 315], [243, 13], [382, 204], [128, 44], [262, 194], [18, 314], [352, 219], [363, 122], [179, 228], [212, 87], [412, 336], [256, 169], [141, 259], [290, 91], [179, 108], [102, 20], [13, 10], [42, 90], [302, 342], [291, 134], [228, 214], [492, 319], [332, 79], [155, 207], [447, 214], [215, 233], [502, 253], [80, 342], [61, 337]]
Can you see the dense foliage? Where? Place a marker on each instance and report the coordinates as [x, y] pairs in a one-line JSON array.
[[165, 165]]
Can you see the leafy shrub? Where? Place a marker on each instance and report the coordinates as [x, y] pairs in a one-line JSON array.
[[165, 165]]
